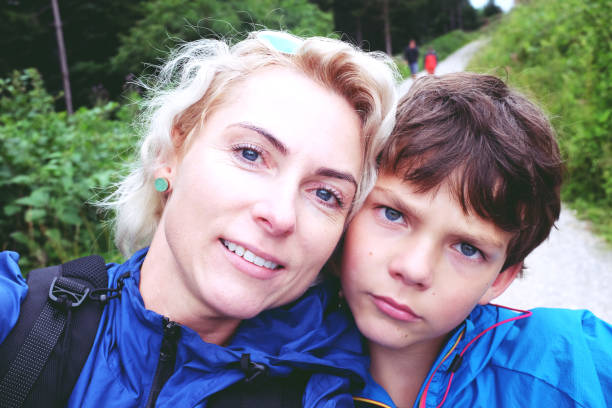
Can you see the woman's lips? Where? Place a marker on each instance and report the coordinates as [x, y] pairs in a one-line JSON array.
[[395, 310], [250, 266]]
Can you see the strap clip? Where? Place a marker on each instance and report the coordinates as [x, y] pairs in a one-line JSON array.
[[67, 293], [250, 368]]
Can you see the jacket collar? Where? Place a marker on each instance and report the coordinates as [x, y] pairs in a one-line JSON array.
[[309, 333]]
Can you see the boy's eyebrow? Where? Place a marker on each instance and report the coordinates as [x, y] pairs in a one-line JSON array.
[[414, 214], [278, 145], [397, 203]]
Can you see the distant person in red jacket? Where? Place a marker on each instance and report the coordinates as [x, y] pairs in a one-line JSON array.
[[431, 60]]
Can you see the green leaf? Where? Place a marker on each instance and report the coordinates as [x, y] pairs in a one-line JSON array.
[[35, 214], [11, 209], [38, 198]]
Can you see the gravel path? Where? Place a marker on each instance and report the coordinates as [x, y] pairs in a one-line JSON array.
[[573, 268]]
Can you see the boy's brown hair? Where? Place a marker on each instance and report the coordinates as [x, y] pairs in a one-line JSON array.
[[495, 147]]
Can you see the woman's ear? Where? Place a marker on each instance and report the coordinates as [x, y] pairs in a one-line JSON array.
[[167, 168], [501, 283]]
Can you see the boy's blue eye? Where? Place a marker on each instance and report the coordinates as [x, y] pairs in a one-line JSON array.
[[250, 154], [468, 250], [392, 215]]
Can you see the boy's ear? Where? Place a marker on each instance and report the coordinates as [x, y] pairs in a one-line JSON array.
[[501, 283]]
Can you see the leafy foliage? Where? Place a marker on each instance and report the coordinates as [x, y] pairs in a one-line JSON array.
[[560, 50], [50, 165], [90, 28], [108, 40], [167, 22]]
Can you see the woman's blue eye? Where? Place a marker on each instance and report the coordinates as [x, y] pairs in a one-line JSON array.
[[324, 195], [392, 215], [250, 154]]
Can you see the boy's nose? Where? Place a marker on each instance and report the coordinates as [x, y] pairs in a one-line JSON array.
[[414, 267], [275, 211]]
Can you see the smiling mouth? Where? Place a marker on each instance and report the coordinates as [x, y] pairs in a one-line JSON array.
[[250, 256]]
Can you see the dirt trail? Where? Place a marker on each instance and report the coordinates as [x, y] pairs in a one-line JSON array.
[[573, 268]]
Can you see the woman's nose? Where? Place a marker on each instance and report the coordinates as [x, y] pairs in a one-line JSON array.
[[414, 266], [275, 211]]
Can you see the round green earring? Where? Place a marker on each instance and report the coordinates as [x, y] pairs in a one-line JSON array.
[[161, 184]]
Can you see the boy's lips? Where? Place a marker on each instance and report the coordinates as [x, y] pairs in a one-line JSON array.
[[395, 310]]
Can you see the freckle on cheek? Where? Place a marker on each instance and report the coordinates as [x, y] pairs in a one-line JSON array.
[[370, 253]]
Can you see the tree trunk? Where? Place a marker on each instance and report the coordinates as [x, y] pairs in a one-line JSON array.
[[460, 15], [62, 56], [387, 24]]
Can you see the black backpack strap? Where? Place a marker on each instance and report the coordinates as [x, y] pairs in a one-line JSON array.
[[37, 369]]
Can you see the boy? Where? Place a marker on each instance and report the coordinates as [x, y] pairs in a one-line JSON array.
[[468, 187]]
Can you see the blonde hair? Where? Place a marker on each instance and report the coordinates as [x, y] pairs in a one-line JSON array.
[[194, 82]]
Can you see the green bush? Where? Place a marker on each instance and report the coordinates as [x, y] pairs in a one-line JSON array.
[[51, 167], [560, 51]]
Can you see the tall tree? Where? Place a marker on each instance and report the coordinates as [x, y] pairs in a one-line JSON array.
[[90, 29], [387, 25], [62, 56]]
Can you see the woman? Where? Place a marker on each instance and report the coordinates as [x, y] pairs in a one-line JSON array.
[[253, 159]]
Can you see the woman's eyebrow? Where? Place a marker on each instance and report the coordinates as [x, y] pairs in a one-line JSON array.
[[278, 145], [327, 172], [324, 171]]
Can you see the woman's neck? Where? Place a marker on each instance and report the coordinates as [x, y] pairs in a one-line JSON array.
[[401, 372], [165, 292]]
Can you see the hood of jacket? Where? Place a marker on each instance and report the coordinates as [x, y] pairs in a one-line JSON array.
[[310, 333]]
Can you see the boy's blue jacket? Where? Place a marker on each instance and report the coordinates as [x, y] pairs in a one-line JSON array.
[[543, 358], [120, 368]]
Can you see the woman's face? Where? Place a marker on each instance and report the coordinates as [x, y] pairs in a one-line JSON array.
[[260, 198]]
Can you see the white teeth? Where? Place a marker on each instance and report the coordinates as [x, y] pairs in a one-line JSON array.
[[259, 261], [248, 255]]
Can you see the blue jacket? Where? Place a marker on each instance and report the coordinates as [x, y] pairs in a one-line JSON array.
[[120, 368], [543, 358]]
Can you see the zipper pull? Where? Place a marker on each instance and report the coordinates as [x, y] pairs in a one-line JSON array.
[[167, 359], [172, 332]]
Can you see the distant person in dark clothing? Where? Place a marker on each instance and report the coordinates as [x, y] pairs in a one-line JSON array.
[[431, 60], [411, 56]]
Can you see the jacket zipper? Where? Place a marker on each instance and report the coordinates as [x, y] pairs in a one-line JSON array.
[[167, 359]]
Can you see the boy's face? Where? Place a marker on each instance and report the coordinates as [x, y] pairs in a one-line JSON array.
[[415, 265]]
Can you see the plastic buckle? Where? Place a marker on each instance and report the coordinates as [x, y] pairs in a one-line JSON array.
[[66, 297], [251, 369]]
